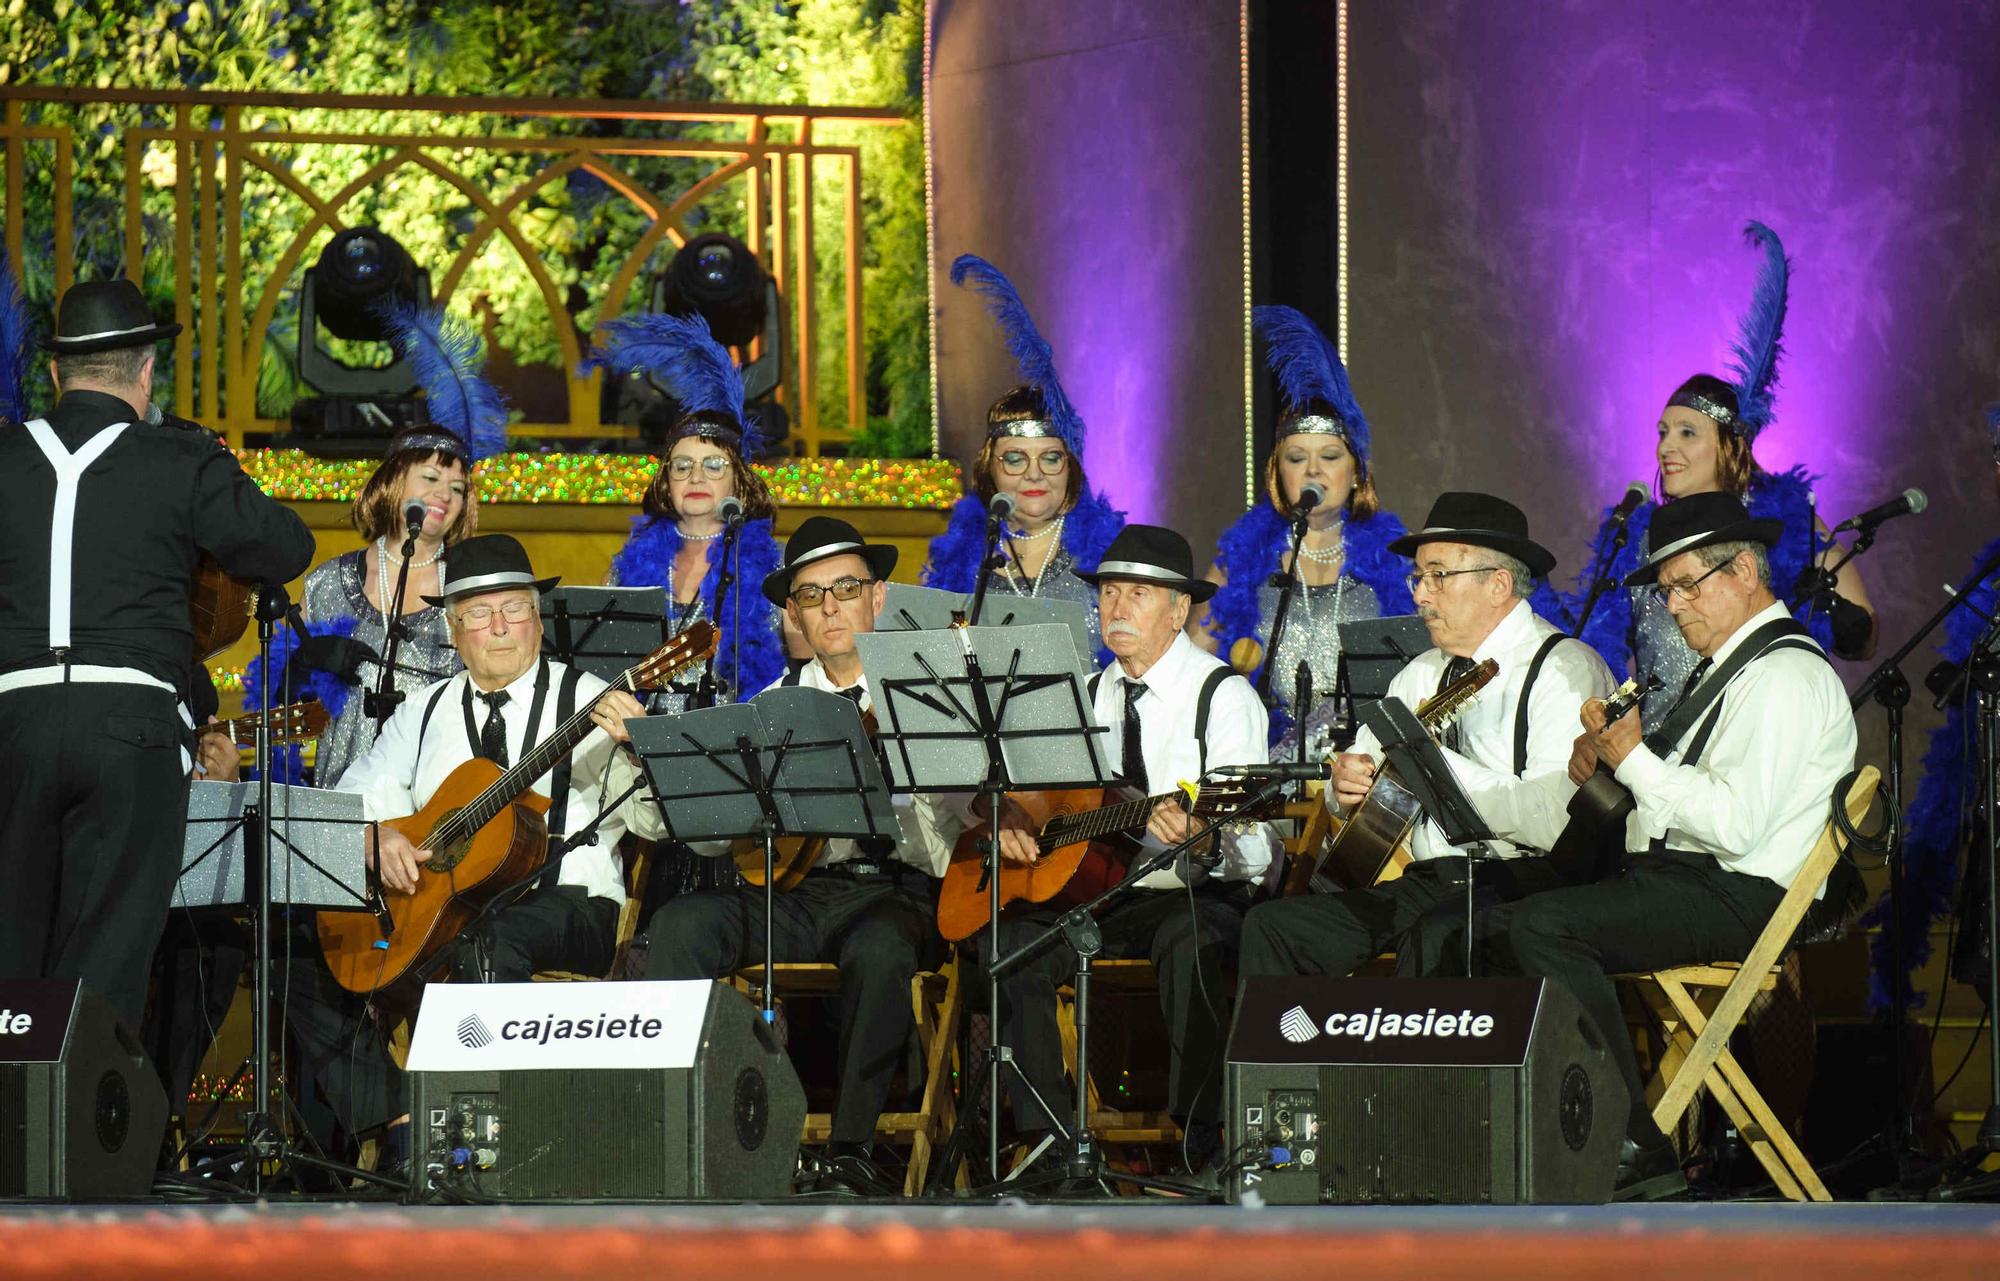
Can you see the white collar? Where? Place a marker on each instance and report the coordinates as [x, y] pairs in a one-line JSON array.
[[1775, 610], [1167, 664]]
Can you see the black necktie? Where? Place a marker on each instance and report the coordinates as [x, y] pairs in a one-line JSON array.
[[493, 734], [854, 694], [1132, 754], [1457, 669]]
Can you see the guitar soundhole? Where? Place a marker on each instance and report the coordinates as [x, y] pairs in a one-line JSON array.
[[451, 855]]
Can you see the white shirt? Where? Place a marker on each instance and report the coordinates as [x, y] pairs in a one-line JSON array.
[[930, 825], [400, 774], [1761, 792], [1531, 809], [1238, 733]]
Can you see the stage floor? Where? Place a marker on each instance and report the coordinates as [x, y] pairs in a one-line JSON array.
[[837, 1242]]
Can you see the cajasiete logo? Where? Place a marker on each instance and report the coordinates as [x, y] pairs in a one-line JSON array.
[[1297, 1026], [473, 1033]]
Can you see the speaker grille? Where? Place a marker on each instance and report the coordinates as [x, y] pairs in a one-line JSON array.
[[1407, 1134]]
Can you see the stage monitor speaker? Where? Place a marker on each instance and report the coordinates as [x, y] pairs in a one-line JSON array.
[[1420, 1091], [728, 1127], [82, 1111]]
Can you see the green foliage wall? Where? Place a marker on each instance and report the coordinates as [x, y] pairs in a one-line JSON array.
[[821, 52]]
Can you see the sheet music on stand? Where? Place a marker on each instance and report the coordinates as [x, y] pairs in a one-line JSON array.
[[319, 859], [812, 769], [604, 630], [1373, 650], [931, 726], [911, 608]]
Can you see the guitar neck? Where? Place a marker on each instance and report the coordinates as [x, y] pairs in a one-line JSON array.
[[1091, 825]]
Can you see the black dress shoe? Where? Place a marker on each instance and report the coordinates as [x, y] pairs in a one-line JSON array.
[[1648, 1173], [847, 1169]]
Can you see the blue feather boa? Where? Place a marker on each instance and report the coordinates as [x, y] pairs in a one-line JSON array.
[[288, 764], [953, 562], [647, 560], [1780, 496], [1933, 823], [1251, 550]]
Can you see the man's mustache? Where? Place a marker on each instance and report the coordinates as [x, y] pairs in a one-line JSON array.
[[1428, 613], [1120, 629]]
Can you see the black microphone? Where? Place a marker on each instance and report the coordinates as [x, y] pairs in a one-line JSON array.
[[414, 512], [1305, 771], [1311, 495], [731, 511], [1908, 503], [999, 508], [1635, 493]]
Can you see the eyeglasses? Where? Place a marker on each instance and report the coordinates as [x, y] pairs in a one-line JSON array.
[[1687, 589], [477, 618], [712, 466], [1054, 461], [1435, 577], [808, 595]]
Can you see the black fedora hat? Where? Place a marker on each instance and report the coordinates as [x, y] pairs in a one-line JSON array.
[[488, 563], [817, 539], [1482, 521], [1150, 554], [1699, 520], [104, 315]]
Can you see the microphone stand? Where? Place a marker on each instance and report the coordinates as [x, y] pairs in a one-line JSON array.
[[1287, 584], [707, 693], [381, 702], [1601, 581], [1890, 689], [989, 560]]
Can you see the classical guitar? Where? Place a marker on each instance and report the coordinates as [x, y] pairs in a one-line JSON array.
[[1087, 838], [1370, 837], [1598, 809], [291, 723], [792, 856], [485, 831]]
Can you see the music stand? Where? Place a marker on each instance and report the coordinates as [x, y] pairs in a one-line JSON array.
[[991, 709], [909, 608], [319, 860], [1421, 766], [792, 761], [604, 630]]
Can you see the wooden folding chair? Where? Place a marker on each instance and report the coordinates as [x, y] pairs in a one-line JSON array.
[[937, 1002], [1698, 1008], [1126, 978]]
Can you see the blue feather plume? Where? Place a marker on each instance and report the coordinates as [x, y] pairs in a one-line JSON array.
[[687, 360], [14, 355], [1754, 354], [1037, 360], [1308, 369], [445, 357]]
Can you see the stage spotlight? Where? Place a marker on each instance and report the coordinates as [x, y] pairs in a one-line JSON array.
[[359, 406], [717, 277]]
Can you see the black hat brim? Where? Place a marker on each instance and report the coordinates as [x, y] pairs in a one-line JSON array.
[[1200, 589], [1539, 559], [881, 559], [1747, 531], [542, 585], [83, 347]]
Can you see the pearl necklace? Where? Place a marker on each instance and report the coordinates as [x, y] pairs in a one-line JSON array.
[[382, 546], [1326, 555], [382, 586], [1035, 589], [697, 538]]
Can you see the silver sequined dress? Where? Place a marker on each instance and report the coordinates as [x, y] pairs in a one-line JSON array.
[[334, 590], [1658, 649], [1312, 633], [1059, 582]]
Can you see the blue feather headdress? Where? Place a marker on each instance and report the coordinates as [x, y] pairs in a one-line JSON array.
[[14, 355], [466, 411], [1753, 357], [1312, 379], [686, 361], [1037, 360]]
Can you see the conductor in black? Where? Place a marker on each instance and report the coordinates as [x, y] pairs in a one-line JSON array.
[[103, 516]]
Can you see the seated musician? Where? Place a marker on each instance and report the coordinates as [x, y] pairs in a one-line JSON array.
[[1509, 751], [1173, 712], [1727, 810], [866, 906], [506, 701]]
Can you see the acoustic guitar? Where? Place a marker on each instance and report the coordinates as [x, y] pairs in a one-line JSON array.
[[1087, 838], [1598, 809], [291, 723], [791, 856], [485, 831], [1369, 837]]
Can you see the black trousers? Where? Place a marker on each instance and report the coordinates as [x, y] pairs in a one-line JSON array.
[[1190, 943], [880, 929], [93, 806], [1420, 914], [200, 962], [344, 1051], [1665, 909]]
